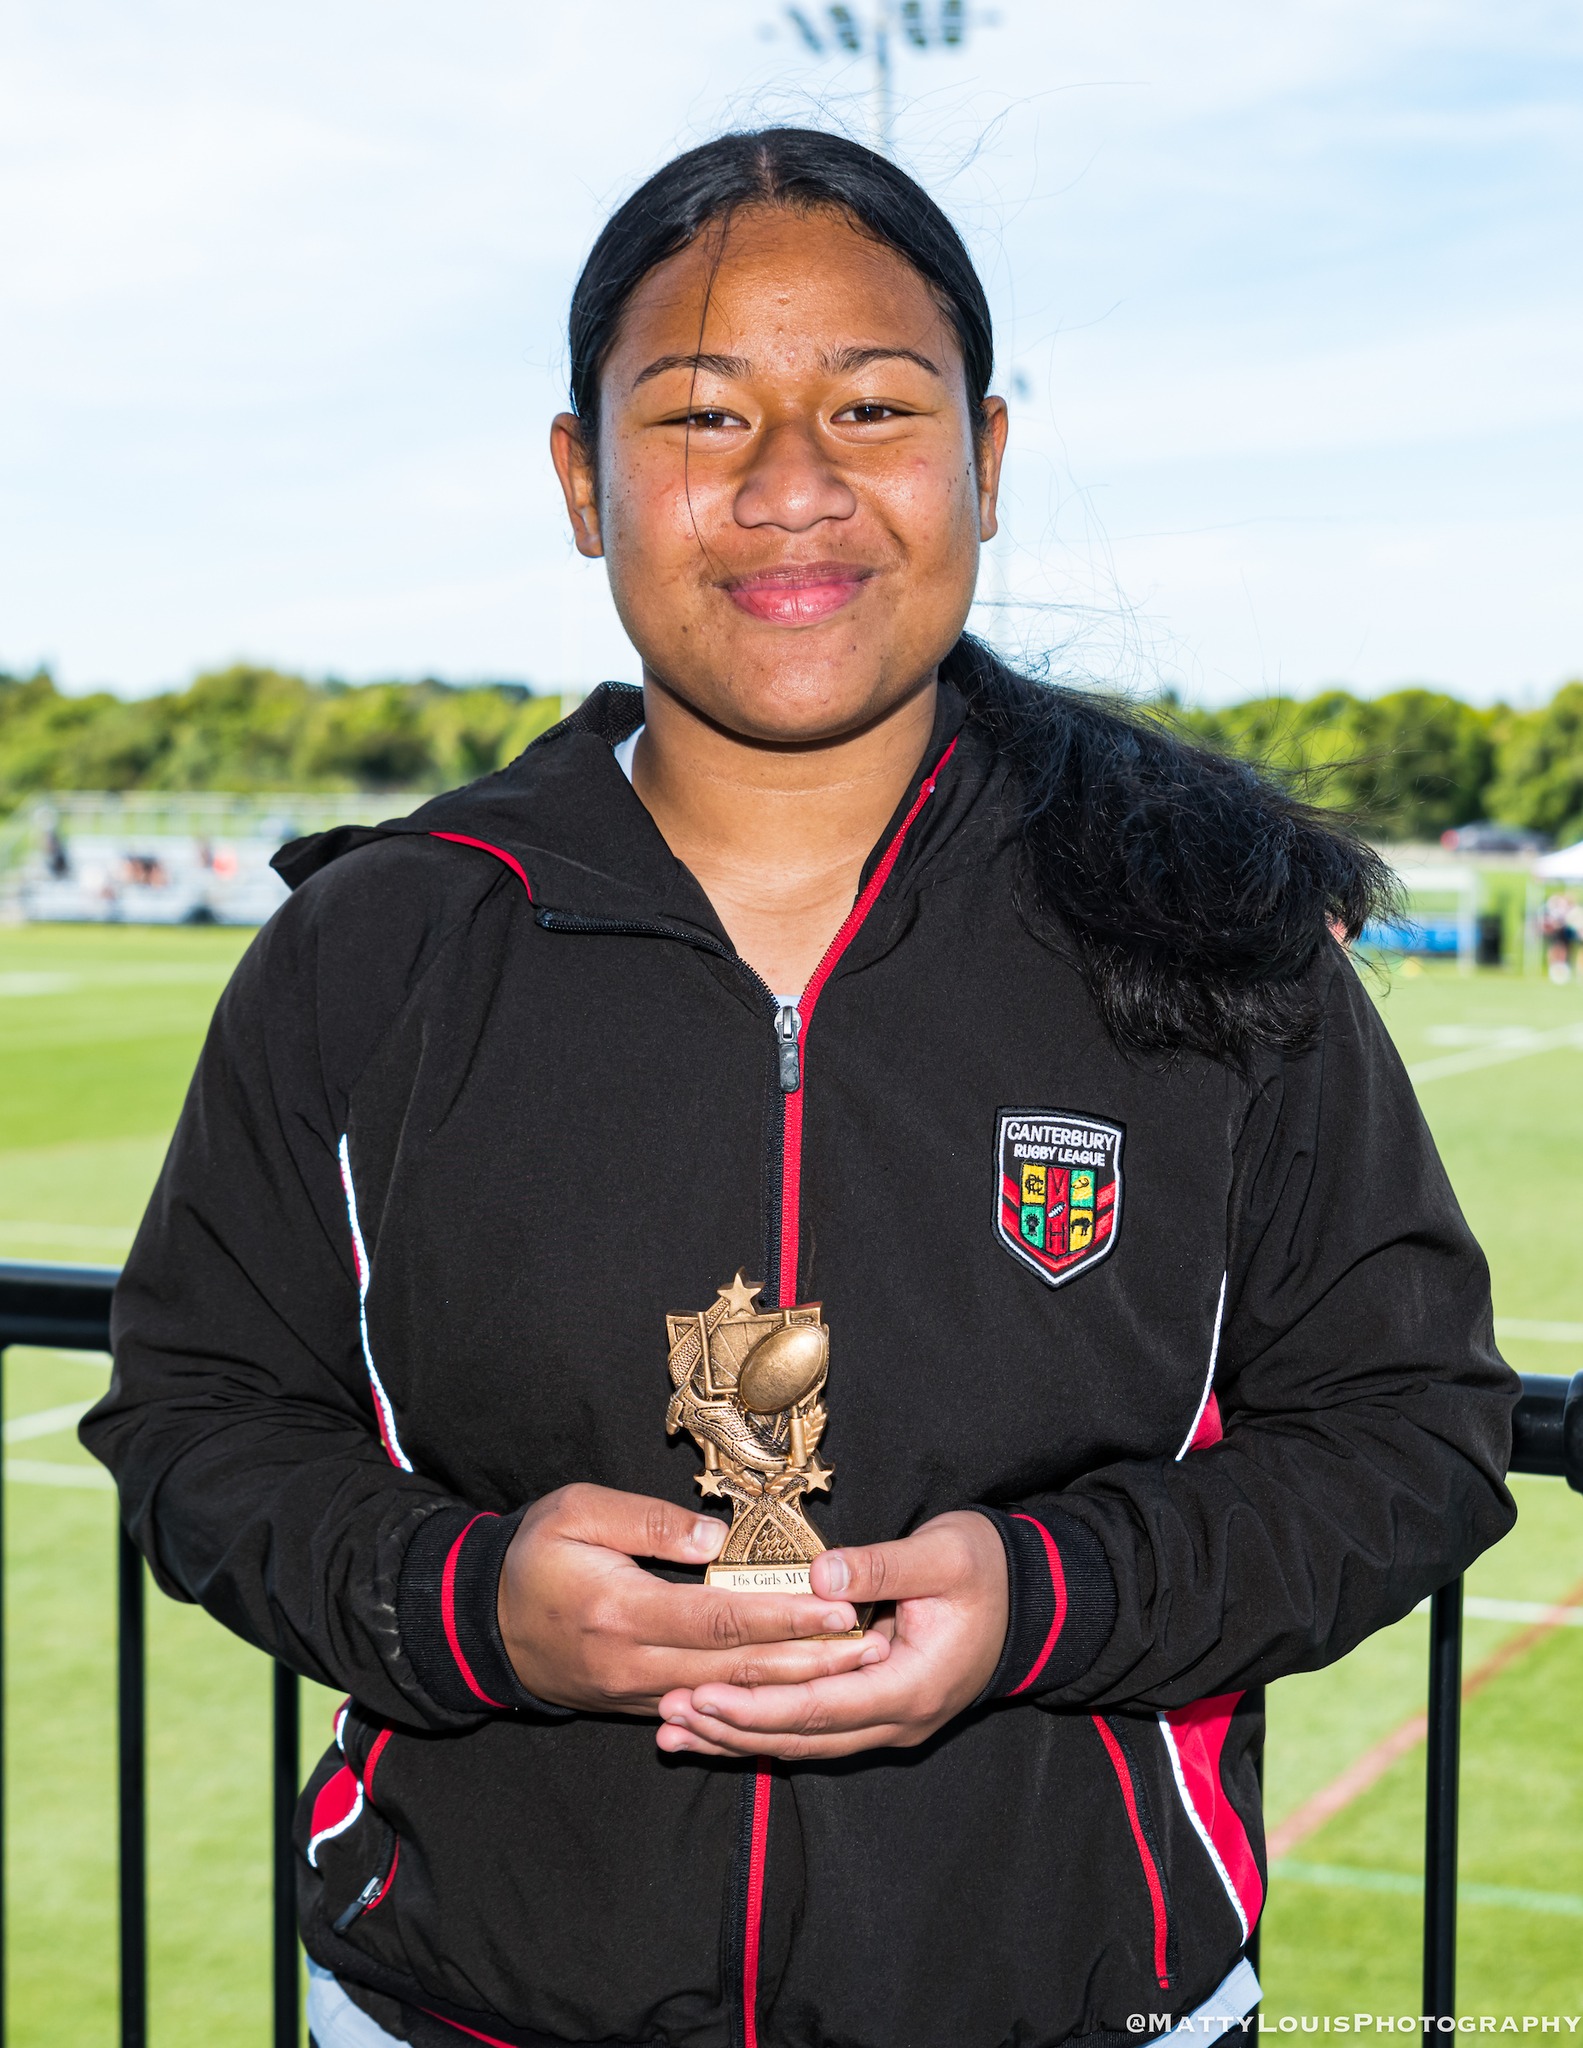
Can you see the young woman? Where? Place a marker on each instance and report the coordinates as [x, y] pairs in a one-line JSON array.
[[836, 969]]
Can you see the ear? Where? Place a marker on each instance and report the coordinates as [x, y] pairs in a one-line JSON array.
[[573, 460], [989, 453]]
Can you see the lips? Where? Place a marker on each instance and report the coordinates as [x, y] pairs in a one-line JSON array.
[[797, 596]]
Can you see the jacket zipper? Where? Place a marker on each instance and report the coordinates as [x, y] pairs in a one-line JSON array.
[[790, 1022], [791, 1028]]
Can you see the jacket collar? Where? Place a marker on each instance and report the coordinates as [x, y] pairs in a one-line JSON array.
[[571, 822]]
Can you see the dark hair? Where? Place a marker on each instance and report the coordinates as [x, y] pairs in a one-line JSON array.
[[1198, 893], [802, 168]]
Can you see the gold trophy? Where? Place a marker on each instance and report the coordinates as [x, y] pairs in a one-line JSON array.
[[748, 1389]]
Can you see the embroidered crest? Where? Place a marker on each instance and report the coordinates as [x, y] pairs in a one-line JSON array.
[[1057, 1189]]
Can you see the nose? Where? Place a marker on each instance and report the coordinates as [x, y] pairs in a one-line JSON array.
[[792, 483]]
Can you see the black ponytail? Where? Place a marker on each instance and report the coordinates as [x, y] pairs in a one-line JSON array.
[[1196, 892]]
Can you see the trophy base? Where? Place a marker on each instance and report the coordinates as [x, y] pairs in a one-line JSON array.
[[773, 1578]]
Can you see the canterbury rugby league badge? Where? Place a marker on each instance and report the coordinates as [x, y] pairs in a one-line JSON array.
[[1058, 1189]]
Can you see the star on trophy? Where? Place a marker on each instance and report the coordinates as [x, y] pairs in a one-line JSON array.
[[748, 1384]]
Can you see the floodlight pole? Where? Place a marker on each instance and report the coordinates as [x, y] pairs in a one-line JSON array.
[[880, 104]]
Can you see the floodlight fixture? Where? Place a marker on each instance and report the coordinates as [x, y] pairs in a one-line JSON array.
[[806, 30], [847, 32], [851, 31]]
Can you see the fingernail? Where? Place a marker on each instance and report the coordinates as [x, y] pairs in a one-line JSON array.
[[837, 1624], [678, 1720], [836, 1576], [872, 1654], [678, 1747], [706, 1534]]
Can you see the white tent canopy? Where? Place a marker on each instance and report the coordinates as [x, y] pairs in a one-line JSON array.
[[1566, 865]]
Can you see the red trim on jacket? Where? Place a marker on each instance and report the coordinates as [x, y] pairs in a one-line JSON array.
[[1052, 1558], [1151, 1873], [1209, 1429], [500, 853], [1196, 1736], [791, 1149], [376, 1751], [448, 1613], [472, 2033], [753, 1921]]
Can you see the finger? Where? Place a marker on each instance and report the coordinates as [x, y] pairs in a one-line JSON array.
[[930, 1562], [881, 1691], [667, 1672], [675, 1739], [709, 1618], [639, 1524], [650, 1677]]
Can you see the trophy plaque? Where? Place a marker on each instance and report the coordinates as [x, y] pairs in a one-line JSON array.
[[749, 1386]]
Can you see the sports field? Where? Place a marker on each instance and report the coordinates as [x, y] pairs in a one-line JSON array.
[[98, 1032]]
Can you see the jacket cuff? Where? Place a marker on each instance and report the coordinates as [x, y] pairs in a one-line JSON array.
[[1061, 1607], [447, 1611]]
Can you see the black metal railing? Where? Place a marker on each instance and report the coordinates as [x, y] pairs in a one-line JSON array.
[[68, 1308]]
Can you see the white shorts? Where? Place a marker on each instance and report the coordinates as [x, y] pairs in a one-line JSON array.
[[333, 2020]]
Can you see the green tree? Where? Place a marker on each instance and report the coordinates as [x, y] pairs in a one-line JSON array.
[[253, 728], [1539, 767], [1406, 765]]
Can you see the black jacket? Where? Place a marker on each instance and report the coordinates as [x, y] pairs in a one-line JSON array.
[[489, 1097]]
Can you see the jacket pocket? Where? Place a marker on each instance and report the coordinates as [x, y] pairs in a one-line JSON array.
[[1204, 1750], [1146, 1846], [349, 1843]]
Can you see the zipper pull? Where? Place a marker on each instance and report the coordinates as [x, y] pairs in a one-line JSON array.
[[788, 1029]]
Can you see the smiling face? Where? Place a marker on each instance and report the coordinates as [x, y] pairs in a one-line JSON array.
[[790, 488]]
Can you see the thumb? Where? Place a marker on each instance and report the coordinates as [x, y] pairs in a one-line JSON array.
[[643, 1526], [912, 1569]]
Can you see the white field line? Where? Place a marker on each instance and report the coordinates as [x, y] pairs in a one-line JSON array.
[[154, 974], [1567, 1903], [68, 1233], [1539, 1333], [1477, 1608], [25, 1429], [1510, 1047], [41, 1472]]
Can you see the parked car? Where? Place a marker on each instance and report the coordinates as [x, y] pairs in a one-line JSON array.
[[1487, 838]]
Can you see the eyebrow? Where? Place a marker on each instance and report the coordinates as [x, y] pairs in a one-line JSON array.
[[836, 362], [723, 366], [849, 359]]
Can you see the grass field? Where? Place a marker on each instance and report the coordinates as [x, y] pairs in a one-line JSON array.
[[98, 1031]]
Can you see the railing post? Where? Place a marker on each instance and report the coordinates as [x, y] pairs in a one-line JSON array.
[[130, 1786], [1258, 1767], [283, 1803], [4, 1954], [1440, 1831]]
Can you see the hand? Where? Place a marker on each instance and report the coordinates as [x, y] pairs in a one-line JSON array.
[[584, 1626], [949, 1585]]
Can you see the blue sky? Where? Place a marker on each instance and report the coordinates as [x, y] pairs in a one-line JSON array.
[[1288, 299]]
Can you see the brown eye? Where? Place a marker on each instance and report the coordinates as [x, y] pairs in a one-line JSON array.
[[709, 421], [868, 415]]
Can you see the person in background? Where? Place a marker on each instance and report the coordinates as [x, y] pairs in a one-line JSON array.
[[1558, 927]]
